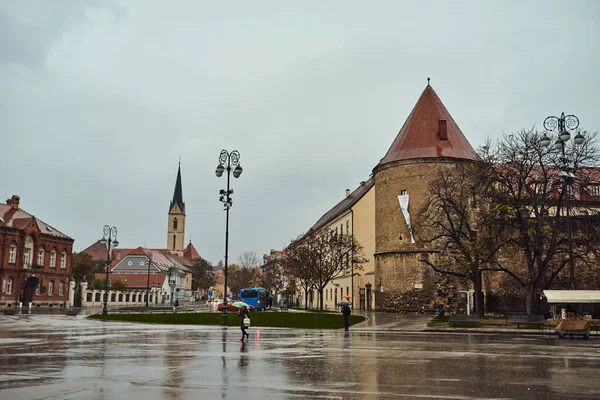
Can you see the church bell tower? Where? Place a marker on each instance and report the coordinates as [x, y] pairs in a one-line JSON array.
[[176, 224]]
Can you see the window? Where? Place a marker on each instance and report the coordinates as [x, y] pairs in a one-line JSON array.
[[174, 223], [12, 254], [51, 288], [61, 288], [40, 257], [595, 190], [403, 192], [9, 286], [26, 258], [347, 227], [38, 288], [342, 229], [53, 259], [63, 260], [174, 239], [326, 295], [347, 291]]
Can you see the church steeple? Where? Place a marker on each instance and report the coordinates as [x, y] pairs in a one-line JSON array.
[[178, 193], [176, 220]]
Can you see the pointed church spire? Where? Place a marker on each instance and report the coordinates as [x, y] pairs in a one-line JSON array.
[[429, 132], [178, 192]]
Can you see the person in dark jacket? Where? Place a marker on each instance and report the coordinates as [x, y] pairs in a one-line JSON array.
[[244, 313], [346, 313]]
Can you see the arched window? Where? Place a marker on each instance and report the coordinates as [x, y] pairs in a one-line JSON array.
[[61, 288], [40, 260], [53, 258], [63, 260], [174, 223], [51, 288], [12, 254], [174, 240], [9, 286]]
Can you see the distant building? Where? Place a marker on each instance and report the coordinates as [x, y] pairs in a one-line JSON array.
[[170, 269], [35, 259]]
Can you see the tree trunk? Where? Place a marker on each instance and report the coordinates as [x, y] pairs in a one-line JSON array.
[[478, 293], [533, 302], [306, 299], [321, 299]]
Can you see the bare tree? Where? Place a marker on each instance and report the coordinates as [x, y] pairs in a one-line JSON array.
[[248, 259], [459, 225], [319, 257], [530, 197]]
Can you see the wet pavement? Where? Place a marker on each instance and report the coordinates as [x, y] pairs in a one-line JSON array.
[[58, 357]]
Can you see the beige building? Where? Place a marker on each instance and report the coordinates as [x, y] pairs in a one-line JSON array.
[[353, 215]]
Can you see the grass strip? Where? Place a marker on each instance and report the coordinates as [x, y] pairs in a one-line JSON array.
[[306, 320]]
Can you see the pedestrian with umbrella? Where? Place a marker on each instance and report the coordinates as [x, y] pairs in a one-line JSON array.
[[244, 315], [346, 311]]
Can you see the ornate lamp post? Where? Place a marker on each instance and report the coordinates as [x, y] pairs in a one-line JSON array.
[[110, 239], [563, 126], [149, 255], [227, 162]]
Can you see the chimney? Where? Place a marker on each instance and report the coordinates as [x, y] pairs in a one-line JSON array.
[[443, 130], [13, 202], [347, 192]]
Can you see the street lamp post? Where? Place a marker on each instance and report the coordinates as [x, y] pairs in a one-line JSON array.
[[148, 285], [110, 239], [227, 162], [563, 126]]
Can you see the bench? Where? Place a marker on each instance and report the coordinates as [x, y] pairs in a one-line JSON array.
[[525, 319], [453, 320], [71, 313]]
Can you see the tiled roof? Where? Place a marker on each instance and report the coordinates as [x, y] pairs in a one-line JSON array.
[[161, 258], [136, 281], [20, 219], [344, 205], [97, 251], [190, 252], [419, 137]]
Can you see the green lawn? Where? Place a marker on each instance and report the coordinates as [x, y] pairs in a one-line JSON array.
[[308, 320]]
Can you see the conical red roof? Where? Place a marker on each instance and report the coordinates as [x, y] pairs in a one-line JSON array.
[[420, 134], [190, 252]]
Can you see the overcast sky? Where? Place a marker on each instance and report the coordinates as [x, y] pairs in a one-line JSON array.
[[99, 99]]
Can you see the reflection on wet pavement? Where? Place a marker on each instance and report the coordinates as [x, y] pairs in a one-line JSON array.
[[58, 357]]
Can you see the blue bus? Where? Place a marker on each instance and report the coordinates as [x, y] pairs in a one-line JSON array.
[[255, 297]]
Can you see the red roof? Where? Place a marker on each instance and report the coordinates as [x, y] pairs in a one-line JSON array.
[[136, 281], [190, 252], [19, 219], [420, 134], [97, 251]]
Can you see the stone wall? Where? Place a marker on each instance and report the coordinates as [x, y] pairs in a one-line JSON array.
[[404, 284]]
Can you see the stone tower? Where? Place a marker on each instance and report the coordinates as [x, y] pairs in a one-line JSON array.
[[176, 223], [428, 139]]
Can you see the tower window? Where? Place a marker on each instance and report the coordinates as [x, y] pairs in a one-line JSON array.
[[174, 241], [174, 223]]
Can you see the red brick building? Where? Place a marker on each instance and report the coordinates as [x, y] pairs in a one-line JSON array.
[[35, 260]]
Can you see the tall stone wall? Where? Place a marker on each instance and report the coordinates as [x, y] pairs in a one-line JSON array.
[[404, 284]]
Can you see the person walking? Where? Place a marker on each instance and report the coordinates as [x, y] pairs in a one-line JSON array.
[[244, 313], [346, 313]]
